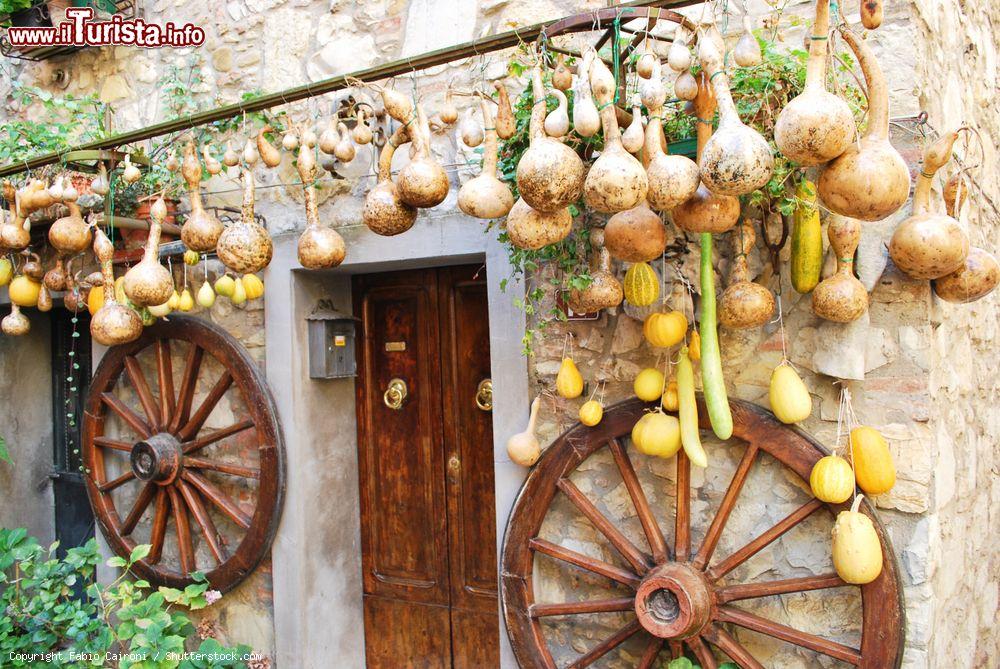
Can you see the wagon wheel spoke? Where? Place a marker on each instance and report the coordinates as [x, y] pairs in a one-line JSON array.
[[735, 593], [186, 394], [141, 504], [141, 387], [682, 521], [116, 483], [114, 444], [165, 375], [127, 415], [196, 421], [161, 512], [649, 525], [639, 561], [603, 648], [758, 544], [676, 650], [217, 497], [649, 655], [217, 435], [708, 546], [778, 631], [704, 654], [584, 562], [224, 467], [208, 530], [578, 608], [731, 647], [184, 546]]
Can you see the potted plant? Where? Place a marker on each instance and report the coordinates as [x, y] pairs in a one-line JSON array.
[[31, 14]]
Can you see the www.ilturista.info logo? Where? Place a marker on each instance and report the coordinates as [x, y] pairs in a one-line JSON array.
[[79, 29]]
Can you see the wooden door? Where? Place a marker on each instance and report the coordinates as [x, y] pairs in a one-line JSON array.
[[426, 471]]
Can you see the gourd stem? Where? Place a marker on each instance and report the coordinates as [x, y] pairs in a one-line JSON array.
[[878, 96], [935, 157], [857, 503], [652, 148], [490, 146], [152, 251], [248, 196], [109, 281], [609, 121], [399, 137], [816, 65], [535, 404], [537, 125]]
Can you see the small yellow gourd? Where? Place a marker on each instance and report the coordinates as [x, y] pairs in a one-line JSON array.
[[95, 300], [191, 257], [665, 330], [790, 399], [648, 385], [857, 552], [24, 291], [253, 286], [591, 413], [206, 296], [225, 285], [6, 271], [174, 302], [832, 479], [239, 295], [569, 383], [657, 434], [670, 397], [642, 287], [523, 447], [873, 465], [186, 302], [694, 346], [160, 310]]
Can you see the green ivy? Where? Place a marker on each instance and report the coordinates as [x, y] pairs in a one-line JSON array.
[[64, 122], [53, 605]]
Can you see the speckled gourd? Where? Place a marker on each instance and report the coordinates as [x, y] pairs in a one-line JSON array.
[[842, 298], [744, 304], [201, 230], [384, 212], [244, 246], [485, 196], [149, 283]]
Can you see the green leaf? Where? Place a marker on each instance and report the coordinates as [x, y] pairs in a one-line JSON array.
[[4, 454], [139, 552], [117, 561]]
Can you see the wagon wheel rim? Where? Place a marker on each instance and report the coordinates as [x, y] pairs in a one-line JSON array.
[[173, 476], [689, 578]]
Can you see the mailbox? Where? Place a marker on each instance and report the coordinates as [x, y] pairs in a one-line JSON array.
[[332, 336]]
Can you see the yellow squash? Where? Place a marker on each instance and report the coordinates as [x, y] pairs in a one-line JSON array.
[[95, 299], [873, 464], [569, 383], [24, 290], [253, 286], [670, 402], [642, 287], [657, 433], [807, 240], [790, 400], [648, 385], [591, 413], [857, 553], [665, 330], [6, 271], [832, 480]]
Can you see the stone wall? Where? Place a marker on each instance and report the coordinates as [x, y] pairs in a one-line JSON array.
[[927, 385]]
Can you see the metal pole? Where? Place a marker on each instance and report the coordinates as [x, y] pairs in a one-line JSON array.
[[489, 44]]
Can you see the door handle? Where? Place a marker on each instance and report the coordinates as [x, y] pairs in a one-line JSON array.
[[395, 394], [484, 395]]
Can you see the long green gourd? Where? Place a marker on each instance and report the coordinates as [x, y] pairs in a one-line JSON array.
[[711, 359]]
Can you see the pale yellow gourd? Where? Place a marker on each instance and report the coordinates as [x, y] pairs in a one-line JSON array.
[[648, 384], [523, 447], [569, 383], [873, 465], [832, 479], [857, 552], [789, 397], [591, 413], [657, 434], [665, 330]]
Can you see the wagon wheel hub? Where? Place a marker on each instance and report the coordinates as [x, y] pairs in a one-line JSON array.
[[673, 601], [157, 459]]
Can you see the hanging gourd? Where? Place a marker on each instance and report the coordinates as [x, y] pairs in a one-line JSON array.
[[648, 384], [345, 150], [706, 211], [857, 552], [562, 78], [744, 304], [657, 434], [665, 330], [523, 447], [23, 291], [485, 196], [422, 182], [789, 398], [549, 174], [290, 141], [632, 138], [15, 324], [842, 298], [530, 229], [569, 382], [245, 246], [252, 286], [736, 159], [384, 213], [329, 138], [320, 246], [250, 153], [871, 13], [673, 179], [816, 126], [268, 153], [652, 92], [505, 124], [186, 301], [873, 465], [100, 185], [113, 323], [685, 86], [130, 173], [586, 119], [928, 245], [712, 381], [230, 158], [679, 56], [557, 121], [687, 410], [832, 480], [225, 285], [70, 235], [869, 180], [806, 263], [15, 233], [604, 291], [75, 295], [472, 132], [591, 413], [205, 297], [746, 53], [636, 234], [212, 166], [201, 230], [362, 134], [448, 112], [642, 286], [616, 181], [148, 282], [645, 66], [976, 278]]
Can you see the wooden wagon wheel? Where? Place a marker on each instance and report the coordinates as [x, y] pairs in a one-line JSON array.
[[176, 468], [677, 593]]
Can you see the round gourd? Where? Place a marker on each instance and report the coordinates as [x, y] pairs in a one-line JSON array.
[[24, 290], [648, 384], [660, 435], [873, 464], [591, 413], [665, 330], [670, 397], [832, 480], [857, 553], [789, 397], [642, 286]]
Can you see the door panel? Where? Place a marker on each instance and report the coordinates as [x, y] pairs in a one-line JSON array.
[[426, 471]]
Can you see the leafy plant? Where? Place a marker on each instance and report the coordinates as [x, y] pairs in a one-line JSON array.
[[65, 121], [55, 608], [11, 6], [4, 453]]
